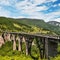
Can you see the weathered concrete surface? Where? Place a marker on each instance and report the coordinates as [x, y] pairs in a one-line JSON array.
[[7, 37], [1, 41], [52, 49]]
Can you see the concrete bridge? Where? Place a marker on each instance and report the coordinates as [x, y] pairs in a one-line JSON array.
[[46, 44]]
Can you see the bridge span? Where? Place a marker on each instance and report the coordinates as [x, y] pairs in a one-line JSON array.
[[47, 44]]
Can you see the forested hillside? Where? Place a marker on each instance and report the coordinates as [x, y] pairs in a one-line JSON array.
[[27, 25]]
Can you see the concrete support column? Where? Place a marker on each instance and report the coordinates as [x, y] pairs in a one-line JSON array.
[[20, 43], [27, 53], [42, 48], [38, 46], [41, 44], [14, 42], [28, 45], [46, 48], [3, 37], [52, 47], [11, 37]]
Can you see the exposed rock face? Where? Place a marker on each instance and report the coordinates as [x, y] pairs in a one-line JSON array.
[[1, 41], [55, 23]]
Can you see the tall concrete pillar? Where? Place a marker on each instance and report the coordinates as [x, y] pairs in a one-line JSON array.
[[28, 45], [50, 47], [27, 53], [40, 46], [46, 48], [3, 37], [14, 42], [20, 43]]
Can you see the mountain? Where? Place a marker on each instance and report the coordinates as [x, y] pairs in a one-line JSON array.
[[27, 25], [55, 23]]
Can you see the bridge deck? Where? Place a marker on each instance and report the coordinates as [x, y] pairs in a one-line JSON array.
[[36, 35]]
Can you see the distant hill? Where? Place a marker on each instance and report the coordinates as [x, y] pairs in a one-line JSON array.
[[27, 25], [55, 23]]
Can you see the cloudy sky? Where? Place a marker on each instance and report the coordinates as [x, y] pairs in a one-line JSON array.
[[39, 9]]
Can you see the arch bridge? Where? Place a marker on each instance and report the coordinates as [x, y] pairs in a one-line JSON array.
[[46, 44]]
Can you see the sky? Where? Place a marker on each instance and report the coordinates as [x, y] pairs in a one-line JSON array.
[[48, 10]]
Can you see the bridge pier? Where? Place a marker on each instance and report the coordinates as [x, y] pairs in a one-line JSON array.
[[46, 48], [14, 42], [50, 48], [20, 43], [28, 45], [40, 45]]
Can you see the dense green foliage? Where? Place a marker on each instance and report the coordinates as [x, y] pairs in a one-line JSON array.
[[6, 53]]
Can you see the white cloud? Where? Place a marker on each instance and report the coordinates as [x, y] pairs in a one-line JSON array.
[[53, 0], [18, 17], [31, 10], [24, 4], [55, 5], [28, 7], [21, 5], [39, 2], [42, 1], [59, 4], [52, 16], [4, 12], [4, 2], [8, 2], [58, 19]]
